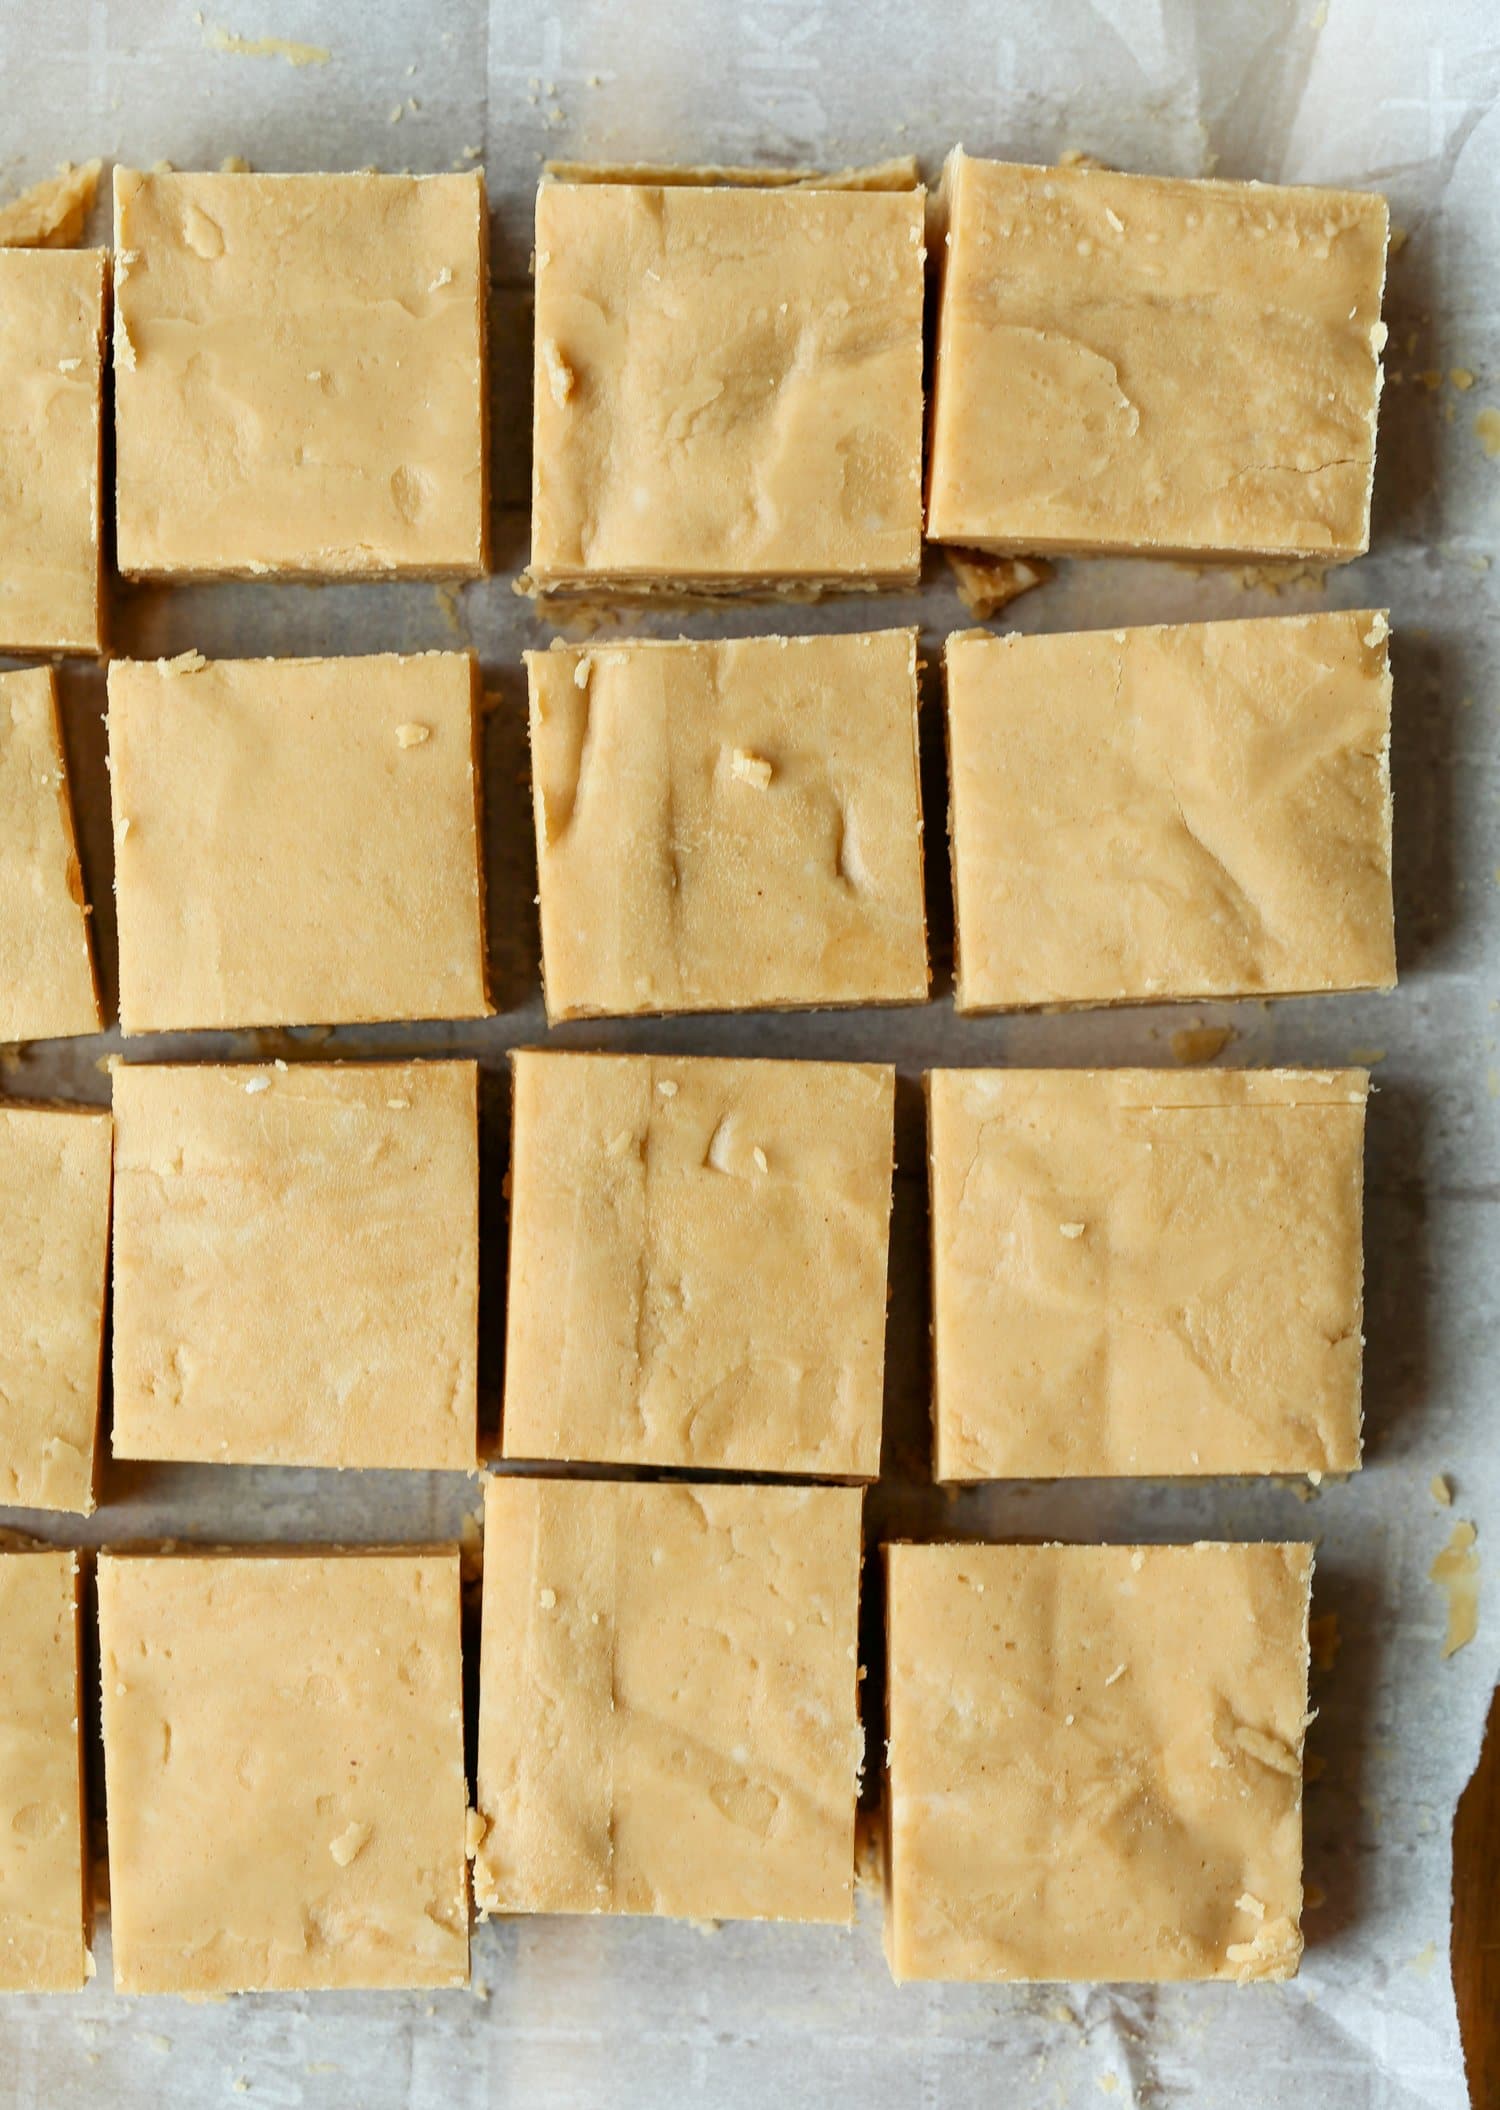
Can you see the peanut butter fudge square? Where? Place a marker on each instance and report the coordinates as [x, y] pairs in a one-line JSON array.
[[1191, 811], [300, 375], [728, 388], [47, 988], [297, 841], [44, 1869], [1095, 1761], [284, 1768], [698, 1262], [1141, 1271], [729, 825], [1139, 363], [296, 1275], [52, 306], [668, 1719]]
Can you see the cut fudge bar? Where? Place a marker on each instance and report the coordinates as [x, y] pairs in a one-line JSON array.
[[730, 825], [698, 1263], [297, 1264], [728, 388], [1142, 363], [54, 1264], [51, 377], [1095, 1761], [284, 1767], [297, 841], [1191, 811], [299, 374], [667, 1718], [44, 1872], [1140, 1271], [47, 987]]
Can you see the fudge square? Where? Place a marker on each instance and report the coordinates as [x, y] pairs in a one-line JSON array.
[[51, 378], [698, 1262], [1190, 811], [284, 1770], [300, 375], [296, 1276], [627, 1765], [728, 388], [54, 1265], [297, 841], [729, 825], [44, 1888], [1145, 1271], [1095, 1761], [1141, 363], [47, 987]]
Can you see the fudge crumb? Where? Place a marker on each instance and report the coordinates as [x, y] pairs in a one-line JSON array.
[[1198, 1043], [760, 1159], [51, 214], [547, 1599], [987, 584], [1072, 1230], [412, 735], [1461, 378], [1487, 427], [561, 379], [238, 47], [751, 769], [1456, 1571], [667, 1088], [184, 663], [1442, 1490], [257, 1084], [1251, 1904], [476, 1829], [350, 1842]]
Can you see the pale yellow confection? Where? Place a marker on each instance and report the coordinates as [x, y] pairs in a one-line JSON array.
[[730, 825], [1145, 363], [44, 1874], [300, 375], [1095, 1761], [54, 1265], [297, 841], [296, 1276], [1145, 1272], [47, 987], [284, 1770], [51, 214], [1191, 811], [51, 375], [728, 388], [698, 1262], [668, 1719]]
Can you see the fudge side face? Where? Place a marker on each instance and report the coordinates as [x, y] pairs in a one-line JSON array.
[[1146, 1272], [51, 368], [296, 841], [698, 1263], [299, 375], [1192, 811], [668, 1719], [284, 1768], [296, 1264], [1095, 1761], [47, 985], [728, 388], [728, 826], [1140, 363], [54, 1263], [44, 1889]]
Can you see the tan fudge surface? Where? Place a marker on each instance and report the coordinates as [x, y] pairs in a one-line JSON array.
[[1095, 1761], [730, 825], [43, 1876], [667, 1717], [47, 987], [296, 841], [1143, 363], [51, 364], [728, 387], [1190, 811], [296, 1275], [300, 374], [698, 1262], [54, 1263], [1141, 1271], [284, 1768]]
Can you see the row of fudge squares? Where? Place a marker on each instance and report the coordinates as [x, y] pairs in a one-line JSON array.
[[1134, 1272], [728, 381], [1180, 812], [1094, 1754]]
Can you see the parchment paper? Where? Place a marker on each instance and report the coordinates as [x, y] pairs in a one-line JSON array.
[[575, 2012]]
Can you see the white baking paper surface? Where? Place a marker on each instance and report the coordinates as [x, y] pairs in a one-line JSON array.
[[573, 2013]]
